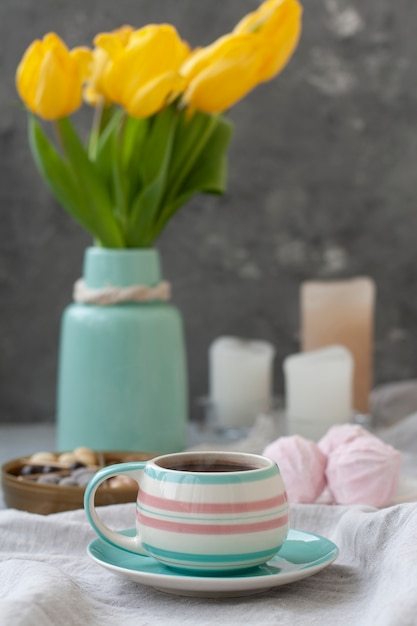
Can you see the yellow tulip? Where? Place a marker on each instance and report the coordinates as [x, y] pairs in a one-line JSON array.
[[223, 73], [49, 77], [258, 49], [278, 23], [142, 72], [94, 92]]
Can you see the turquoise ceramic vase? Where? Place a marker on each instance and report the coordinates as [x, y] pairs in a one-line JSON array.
[[122, 381]]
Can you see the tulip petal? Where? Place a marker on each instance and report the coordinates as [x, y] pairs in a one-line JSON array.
[[83, 56], [226, 47], [265, 18], [95, 91], [224, 73], [109, 42], [275, 63], [280, 45], [108, 47], [154, 94], [27, 74], [59, 87], [216, 90], [278, 23]]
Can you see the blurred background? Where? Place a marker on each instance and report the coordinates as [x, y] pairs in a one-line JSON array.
[[322, 185]]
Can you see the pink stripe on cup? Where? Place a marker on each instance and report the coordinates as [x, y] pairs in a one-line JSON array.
[[209, 508], [211, 529]]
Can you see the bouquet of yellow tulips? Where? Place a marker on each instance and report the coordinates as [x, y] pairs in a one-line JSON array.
[[158, 135]]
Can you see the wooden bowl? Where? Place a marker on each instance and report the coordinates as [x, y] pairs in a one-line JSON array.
[[42, 498]]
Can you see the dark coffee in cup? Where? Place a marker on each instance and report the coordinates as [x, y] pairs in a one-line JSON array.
[[210, 462], [201, 466]]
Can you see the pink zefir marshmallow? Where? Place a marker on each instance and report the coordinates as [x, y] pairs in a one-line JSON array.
[[302, 465], [363, 470], [340, 434]]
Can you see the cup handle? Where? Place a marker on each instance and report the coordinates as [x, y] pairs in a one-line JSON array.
[[135, 470]]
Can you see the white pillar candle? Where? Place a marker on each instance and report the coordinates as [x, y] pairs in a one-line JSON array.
[[318, 390], [240, 380]]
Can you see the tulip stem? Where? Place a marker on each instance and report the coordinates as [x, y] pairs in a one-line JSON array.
[[95, 130], [58, 136], [117, 175]]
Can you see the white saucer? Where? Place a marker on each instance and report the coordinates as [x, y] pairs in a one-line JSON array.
[[303, 554]]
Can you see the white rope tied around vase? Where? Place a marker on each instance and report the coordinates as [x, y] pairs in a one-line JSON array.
[[116, 295]]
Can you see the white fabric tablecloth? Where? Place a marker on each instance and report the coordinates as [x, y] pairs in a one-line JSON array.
[[47, 579]]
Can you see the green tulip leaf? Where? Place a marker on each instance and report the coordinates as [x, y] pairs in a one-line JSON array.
[[134, 135], [103, 156], [157, 147], [131, 139], [142, 219], [191, 137], [209, 170], [58, 176], [206, 165], [92, 186]]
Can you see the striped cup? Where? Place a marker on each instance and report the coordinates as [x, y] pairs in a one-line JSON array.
[[201, 511]]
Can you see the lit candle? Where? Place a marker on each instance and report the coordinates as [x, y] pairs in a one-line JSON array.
[[342, 312], [318, 390], [240, 380]]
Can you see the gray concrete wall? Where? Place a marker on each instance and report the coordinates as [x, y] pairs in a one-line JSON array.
[[322, 183]]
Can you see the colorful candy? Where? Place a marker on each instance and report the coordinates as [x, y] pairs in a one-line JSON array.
[[68, 469]]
